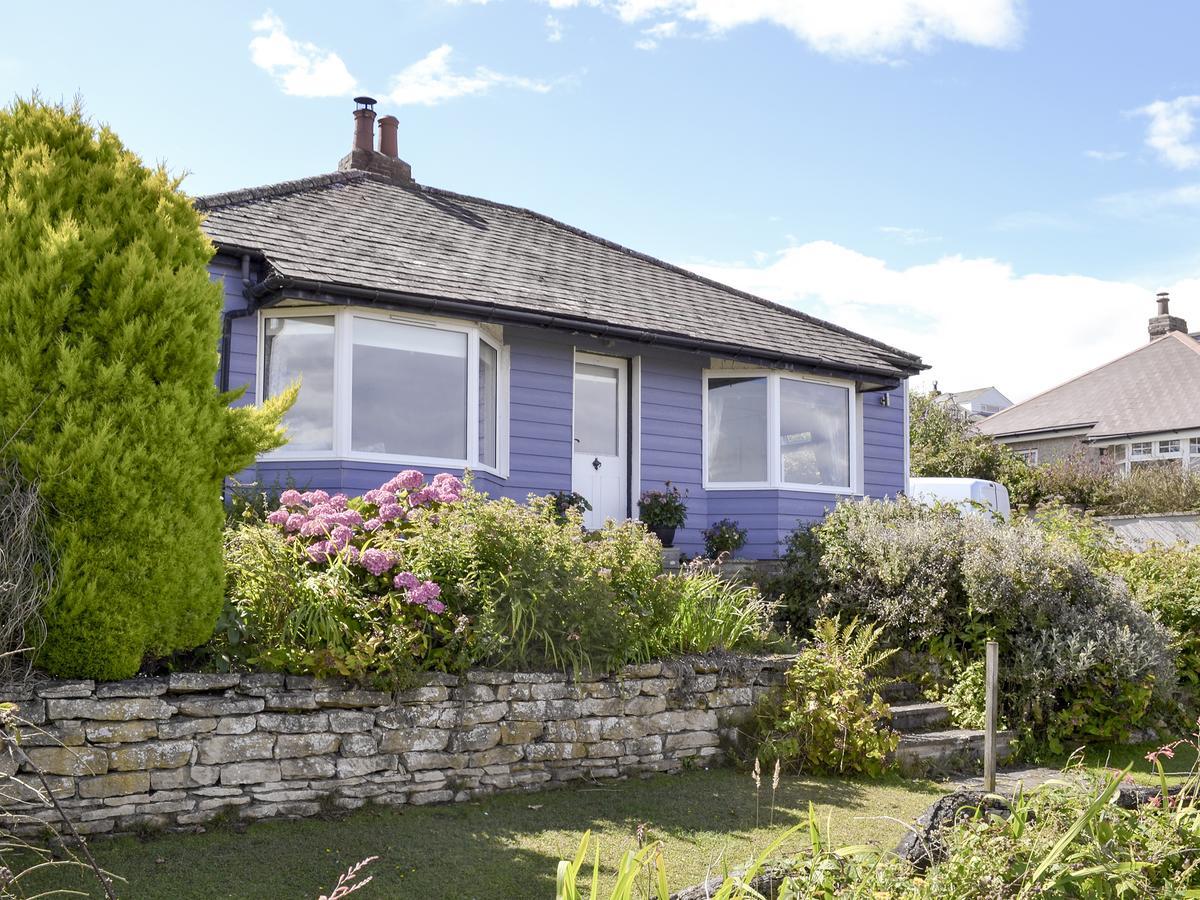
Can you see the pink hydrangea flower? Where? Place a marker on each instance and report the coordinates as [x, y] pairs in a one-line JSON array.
[[424, 592], [437, 607], [376, 561], [319, 552], [312, 497], [389, 512], [372, 525], [378, 496], [314, 528], [290, 497], [340, 536], [423, 496], [408, 480], [350, 517], [337, 502], [294, 521], [405, 581], [351, 554], [279, 517]]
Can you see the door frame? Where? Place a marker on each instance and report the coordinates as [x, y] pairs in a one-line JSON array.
[[630, 447]]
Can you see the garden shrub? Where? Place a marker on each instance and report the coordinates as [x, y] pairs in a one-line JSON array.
[[542, 592], [829, 717], [108, 324], [1080, 658], [698, 611], [322, 587]]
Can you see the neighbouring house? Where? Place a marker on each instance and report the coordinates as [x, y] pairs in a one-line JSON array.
[[975, 404], [1140, 409], [439, 331]]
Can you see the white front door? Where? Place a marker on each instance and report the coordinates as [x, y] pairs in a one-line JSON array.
[[599, 470]]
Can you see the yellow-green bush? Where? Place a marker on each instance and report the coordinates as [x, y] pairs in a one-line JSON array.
[[108, 336]]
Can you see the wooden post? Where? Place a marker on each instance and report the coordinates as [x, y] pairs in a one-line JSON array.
[[992, 688]]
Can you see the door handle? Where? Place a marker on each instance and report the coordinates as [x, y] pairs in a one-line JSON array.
[[596, 464]]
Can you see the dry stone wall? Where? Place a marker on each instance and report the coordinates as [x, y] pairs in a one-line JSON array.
[[181, 750]]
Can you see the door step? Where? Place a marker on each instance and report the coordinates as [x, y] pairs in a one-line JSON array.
[[910, 717], [953, 749]]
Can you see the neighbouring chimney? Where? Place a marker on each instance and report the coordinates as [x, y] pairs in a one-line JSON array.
[[387, 136], [1164, 323], [364, 157]]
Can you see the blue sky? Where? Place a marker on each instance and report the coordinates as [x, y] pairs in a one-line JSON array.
[[1000, 186]]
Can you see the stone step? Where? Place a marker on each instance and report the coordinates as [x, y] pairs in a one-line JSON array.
[[910, 717], [953, 748], [900, 692]]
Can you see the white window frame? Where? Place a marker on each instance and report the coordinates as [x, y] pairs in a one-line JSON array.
[[1167, 454], [1134, 454], [343, 330], [1028, 454], [775, 480]]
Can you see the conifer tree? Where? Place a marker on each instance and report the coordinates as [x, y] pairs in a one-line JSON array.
[[109, 327]]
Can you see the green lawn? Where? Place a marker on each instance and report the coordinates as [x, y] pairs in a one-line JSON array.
[[509, 846]]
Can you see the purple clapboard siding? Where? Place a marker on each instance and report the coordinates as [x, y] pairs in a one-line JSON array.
[[540, 433]]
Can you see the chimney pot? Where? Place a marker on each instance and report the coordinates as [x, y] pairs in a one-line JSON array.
[[1164, 323], [388, 146], [364, 124]]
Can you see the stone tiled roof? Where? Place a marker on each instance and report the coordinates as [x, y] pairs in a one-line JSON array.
[[1155, 388], [355, 230]]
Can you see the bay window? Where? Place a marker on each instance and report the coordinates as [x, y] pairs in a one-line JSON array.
[[385, 387], [777, 430]]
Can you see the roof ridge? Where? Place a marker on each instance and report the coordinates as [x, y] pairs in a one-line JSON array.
[[208, 202], [1112, 362], [679, 270]]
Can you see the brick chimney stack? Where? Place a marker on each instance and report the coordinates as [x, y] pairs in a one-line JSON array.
[[1164, 323], [364, 157]]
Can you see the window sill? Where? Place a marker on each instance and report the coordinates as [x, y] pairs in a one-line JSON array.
[[399, 462], [789, 487]]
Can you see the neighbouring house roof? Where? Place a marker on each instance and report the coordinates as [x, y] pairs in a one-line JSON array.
[[968, 396], [356, 230], [1155, 388]]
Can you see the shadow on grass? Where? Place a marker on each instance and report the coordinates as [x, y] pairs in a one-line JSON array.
[[509, 845]]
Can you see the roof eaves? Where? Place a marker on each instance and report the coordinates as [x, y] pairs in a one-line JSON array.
[[277, 284]]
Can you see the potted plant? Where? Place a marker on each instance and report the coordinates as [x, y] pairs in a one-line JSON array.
[[725, 536], [662, 512]]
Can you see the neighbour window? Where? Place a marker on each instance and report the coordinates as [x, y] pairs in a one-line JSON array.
[[775, 430], [407, 393], [1141, 449], [1168, 447], [1194, 446], [302, 348], [1028, 455]]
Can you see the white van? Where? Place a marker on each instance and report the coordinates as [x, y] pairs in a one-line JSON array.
[[968, 494]]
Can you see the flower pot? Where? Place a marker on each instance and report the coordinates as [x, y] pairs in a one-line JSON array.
[[665, 533]]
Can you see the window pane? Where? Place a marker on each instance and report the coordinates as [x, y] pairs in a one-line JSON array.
[[409, 390], [814, 433], [488, 359], [737, 429], [302, 348], [596, 407]]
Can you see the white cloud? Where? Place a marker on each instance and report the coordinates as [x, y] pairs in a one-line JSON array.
[[655, 33], [430, 81], [878, 30], [301, 69], [1105, 155], [1172, 125], [554, 29], [976, 321]]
